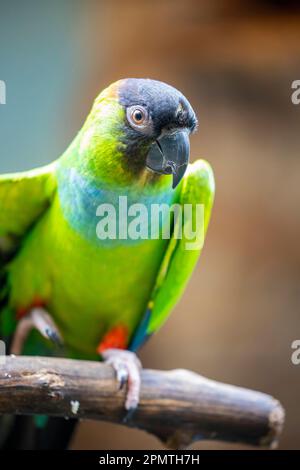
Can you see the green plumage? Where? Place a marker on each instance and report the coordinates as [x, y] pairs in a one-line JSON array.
[[51, 252]]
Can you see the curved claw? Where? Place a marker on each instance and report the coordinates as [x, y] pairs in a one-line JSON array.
[[53, 336], [122, 377], [129, 415]]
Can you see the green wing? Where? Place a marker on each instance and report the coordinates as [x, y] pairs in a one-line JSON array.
[[23, 198], [179, 262]]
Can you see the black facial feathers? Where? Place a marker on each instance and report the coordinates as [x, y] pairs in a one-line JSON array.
[[167, 107]]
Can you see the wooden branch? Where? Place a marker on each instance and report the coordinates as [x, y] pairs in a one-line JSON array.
[[179, 406]]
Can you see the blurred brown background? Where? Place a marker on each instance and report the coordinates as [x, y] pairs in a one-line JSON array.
[[235, 60]]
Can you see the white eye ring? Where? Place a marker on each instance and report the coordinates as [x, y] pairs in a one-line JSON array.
[[137, 117]]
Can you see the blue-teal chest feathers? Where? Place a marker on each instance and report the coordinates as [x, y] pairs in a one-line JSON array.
[[111, 217]]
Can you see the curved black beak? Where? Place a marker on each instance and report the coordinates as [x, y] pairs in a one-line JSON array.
[[170, 155]]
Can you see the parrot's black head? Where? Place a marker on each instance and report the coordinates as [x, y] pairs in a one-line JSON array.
[[158, 121], [154, 107]]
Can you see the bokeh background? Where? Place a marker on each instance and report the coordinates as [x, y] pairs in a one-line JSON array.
[[235, 60]]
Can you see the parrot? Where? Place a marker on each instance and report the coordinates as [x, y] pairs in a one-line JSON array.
[[65, 290]]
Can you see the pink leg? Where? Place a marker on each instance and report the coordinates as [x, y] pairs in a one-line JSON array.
[[128, 368], [38, 319]]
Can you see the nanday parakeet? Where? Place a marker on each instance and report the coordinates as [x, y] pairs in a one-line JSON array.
[[101, 297]]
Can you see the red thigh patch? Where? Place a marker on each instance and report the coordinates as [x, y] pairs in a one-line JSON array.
[[22, 311], [116, 338]]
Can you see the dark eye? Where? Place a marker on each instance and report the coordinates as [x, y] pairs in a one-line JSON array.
[[137, 116]]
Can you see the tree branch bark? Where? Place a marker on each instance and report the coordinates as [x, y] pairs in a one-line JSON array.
[[179, 407]]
